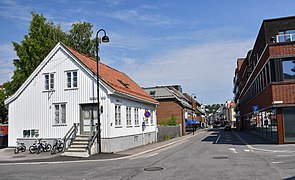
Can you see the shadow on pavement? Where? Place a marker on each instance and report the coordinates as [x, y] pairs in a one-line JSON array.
[[220, 136]]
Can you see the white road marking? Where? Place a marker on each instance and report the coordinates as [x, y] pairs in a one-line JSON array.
[[284, 155], [233, 150], [247, 150], [258, 149], [278, 162], [152, 155], [217, 139], [100, 160]]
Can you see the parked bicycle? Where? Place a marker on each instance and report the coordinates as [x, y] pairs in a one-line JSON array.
[[19, 147], [39, 146], [58, 146]]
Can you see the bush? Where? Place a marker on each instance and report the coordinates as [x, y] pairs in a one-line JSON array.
[[172, 120]]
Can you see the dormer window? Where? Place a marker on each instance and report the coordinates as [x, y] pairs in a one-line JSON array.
[[152, 93]]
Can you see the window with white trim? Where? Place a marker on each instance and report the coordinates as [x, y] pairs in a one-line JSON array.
[[49, 81], [59, 114], [152, 118], [117, 115], [128, 116], [136, 117], [72, 79]]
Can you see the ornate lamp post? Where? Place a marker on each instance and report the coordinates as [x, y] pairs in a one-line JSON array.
[[104, 39]]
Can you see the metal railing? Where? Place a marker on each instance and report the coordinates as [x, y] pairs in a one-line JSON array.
[[91, 141], [285, 38], [70, 136]]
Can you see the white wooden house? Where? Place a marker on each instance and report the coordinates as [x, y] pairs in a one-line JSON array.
[[62, 91]]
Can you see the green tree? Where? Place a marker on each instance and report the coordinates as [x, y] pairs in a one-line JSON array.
[[79, 38], [3, 111], [42, 36]]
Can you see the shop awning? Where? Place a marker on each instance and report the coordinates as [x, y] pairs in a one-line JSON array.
[[189, 121]]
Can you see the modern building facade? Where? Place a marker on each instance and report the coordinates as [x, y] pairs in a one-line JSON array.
[[264, 83], [62, 92]]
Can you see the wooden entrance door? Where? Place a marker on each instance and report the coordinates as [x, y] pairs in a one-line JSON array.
[[89, 119]]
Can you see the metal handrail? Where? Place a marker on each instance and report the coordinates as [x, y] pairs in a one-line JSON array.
[[91, 141], [71, 135]]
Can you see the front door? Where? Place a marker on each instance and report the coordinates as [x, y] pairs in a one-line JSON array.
[[89, 118]]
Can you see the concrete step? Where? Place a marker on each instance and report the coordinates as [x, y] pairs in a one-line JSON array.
[[75, 154], [80, 143], [81, 139], [79, 146], [76, 149]]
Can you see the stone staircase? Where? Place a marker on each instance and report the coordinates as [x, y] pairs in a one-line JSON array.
[[78, 147]]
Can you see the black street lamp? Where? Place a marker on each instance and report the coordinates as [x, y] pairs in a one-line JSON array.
[[104, 39], [193, 96]]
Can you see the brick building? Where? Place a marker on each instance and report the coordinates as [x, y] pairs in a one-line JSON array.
[[264, 83], [172, 102]]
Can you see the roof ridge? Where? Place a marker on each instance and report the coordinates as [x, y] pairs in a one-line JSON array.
[[92, 58]]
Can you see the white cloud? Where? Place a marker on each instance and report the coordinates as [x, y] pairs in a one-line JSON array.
[[12, 10], [7, 54], [206, 69], [134, 16]]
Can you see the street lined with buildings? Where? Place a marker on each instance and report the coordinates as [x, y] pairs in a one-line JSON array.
[[210, 154]]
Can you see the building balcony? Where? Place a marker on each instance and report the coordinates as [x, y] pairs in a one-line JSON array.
[[285, 38]]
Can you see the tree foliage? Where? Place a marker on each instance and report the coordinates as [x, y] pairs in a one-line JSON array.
[[42, 36], [213, 108]]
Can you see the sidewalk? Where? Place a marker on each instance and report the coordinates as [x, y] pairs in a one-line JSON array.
[[7, 155], [262, 144]]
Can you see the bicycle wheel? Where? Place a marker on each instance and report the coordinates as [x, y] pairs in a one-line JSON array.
[[47, 148], [60, 147], [24, 148], [16, 150], [33, 149], [53, 150]]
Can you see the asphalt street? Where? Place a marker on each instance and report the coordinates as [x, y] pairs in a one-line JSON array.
[[212, 154]]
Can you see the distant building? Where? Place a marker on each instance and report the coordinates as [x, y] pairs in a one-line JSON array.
[[172, 102], [264, 83]]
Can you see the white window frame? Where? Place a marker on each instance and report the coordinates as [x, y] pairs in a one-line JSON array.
[[118, 119], [71, 80], [49, 81], [136, 116], [60, 114], [128, 116], [152, 117]]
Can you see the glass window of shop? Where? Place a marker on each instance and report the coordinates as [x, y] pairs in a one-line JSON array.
[[264, 124], [289, 124]]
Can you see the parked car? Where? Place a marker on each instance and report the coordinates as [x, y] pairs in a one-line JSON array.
[[227, 128]]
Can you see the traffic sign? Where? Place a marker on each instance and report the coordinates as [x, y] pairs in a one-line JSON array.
[[147, 114], [255, 109]]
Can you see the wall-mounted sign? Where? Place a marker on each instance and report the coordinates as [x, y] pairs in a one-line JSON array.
[[147, 114]]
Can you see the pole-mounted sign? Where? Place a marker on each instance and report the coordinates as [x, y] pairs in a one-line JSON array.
[[147, 114]]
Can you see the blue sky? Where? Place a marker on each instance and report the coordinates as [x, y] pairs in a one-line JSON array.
[[194, 43]]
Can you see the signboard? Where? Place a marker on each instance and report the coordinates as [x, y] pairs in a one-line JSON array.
[[147, 114], [255, 109]]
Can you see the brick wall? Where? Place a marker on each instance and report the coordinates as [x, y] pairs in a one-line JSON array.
[[166, 108], [280, 50], [284, 92]]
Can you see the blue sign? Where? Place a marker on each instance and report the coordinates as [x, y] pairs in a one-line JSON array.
[[255, 108], [147, 114]]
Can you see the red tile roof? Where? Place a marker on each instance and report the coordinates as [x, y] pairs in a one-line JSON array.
[[114, 78]]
